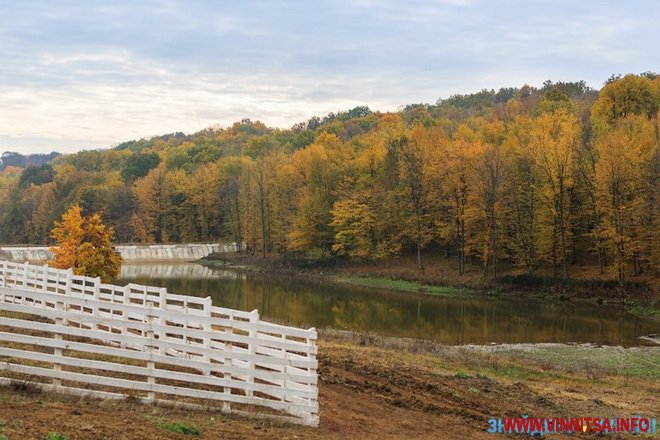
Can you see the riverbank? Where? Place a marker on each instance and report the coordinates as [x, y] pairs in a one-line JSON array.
[[439, 277], [374, 387]]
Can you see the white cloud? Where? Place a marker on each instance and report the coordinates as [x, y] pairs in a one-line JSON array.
[[155, 101]]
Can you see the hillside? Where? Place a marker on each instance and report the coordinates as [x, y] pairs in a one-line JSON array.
[[534, 178]]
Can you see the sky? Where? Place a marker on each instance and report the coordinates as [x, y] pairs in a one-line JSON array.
[[82, 74]]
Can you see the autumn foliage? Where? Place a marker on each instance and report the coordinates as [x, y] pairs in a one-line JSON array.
[[84, 244], [538, 179]]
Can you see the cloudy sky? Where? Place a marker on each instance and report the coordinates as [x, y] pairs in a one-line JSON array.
[[86, 74]]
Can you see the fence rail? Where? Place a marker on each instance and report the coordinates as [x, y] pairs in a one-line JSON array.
[[91, 338]]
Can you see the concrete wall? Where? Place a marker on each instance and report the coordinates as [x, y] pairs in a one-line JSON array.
[[23, 254], [151, 252]]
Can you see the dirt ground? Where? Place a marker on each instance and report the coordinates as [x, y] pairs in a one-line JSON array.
[[365, 392]]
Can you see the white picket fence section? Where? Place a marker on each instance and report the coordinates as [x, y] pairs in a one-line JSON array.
[[100, 339]]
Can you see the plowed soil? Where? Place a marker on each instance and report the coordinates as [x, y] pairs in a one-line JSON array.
[[365, 392]]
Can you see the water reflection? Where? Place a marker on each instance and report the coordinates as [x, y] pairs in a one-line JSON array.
[[451, 320], [175, 270]]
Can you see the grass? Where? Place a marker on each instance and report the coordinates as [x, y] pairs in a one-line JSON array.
[[517, 362], [181, 428], [631, 362], [646, 311], [55, 436], [402, 285]]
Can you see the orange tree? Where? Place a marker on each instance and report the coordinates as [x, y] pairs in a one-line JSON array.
[[84, 244]]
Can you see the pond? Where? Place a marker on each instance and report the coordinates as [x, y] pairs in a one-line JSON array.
[[448, 320]]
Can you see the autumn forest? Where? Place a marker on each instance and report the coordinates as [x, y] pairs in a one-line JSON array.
[[531, 177]]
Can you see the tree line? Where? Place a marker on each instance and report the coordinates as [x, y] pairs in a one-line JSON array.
[[528, 176]]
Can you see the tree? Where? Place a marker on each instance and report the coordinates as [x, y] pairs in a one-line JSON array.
[[139, 165], [354, 222], [150, 194], [411, 156], [488, 177], [36, 175], [319, 168], [625, 153], [626, 140], [458, 165], [84, 244], [553, 140], [622, 97], [523, 197]]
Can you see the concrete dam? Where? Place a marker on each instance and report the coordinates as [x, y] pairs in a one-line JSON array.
[[134, 252]]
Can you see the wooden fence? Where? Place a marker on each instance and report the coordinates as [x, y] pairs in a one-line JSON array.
[[74, 334]]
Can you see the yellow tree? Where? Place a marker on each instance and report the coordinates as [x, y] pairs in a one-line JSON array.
[[411, 156], [523, 205], [483, 210], [552, 143], [283, 202], [627, 153], [623, 155], [354, 222], [623, 97], [204, 189], [319, 168], [84, 244], [456, 166], [179, 216], [231, 172], [651, 213], [151, 197], [360, 232], [488, 179]]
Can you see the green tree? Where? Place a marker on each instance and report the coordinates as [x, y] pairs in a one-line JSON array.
[[138, 166]]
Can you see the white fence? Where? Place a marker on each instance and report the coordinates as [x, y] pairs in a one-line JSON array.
[[108, 341]]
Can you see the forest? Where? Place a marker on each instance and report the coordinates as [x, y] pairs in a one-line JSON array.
[[528, 176]]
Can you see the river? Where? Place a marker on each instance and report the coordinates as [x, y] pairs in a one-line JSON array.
[[449, 320]]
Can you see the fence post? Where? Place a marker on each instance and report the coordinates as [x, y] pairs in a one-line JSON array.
[[206, 328], [44, 278], [151, 365], [97, 287], [69, 275], [285, 367], [312, 419], [226, 405], [252, 347], [163, 306], [97, 297], [59, 321], [124, 316], [25, 273]]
